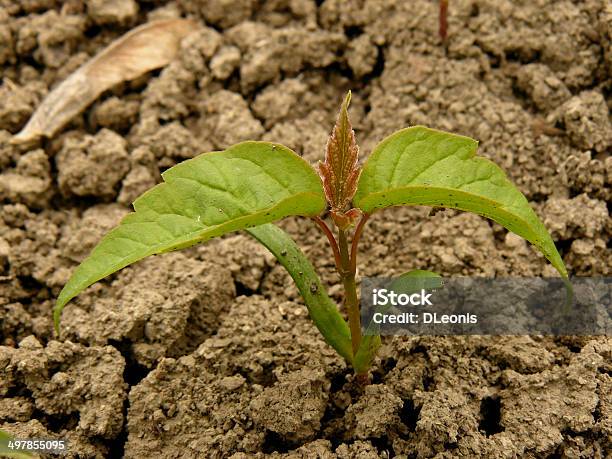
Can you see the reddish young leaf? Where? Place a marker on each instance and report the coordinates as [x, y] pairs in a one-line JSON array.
[[339, 172]]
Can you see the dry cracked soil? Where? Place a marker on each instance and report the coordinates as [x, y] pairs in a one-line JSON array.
[[209, 352]]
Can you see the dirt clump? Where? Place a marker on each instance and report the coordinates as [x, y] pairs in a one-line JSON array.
[[294, 406], [210, 352], [72, 386], [229, 376], [17, 103], [93, 165], [29, 181], [164, 306], [587, 121], [112, 12]]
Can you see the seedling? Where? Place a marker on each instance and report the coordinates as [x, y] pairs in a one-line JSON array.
[[252, 184]]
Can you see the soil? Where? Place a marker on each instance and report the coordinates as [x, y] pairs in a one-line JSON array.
[[209, 352]]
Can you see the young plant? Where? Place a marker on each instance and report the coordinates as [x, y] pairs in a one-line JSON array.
[[252, 184]]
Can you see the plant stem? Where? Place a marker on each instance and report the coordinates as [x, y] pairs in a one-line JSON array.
[[331, 239], [347, 274], [355, 241], [443, 20], [346, 264]]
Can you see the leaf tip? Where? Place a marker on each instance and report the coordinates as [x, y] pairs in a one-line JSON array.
[[347, 101]]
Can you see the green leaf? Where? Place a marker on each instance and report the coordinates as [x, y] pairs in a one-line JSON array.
[[322, 309], [248, 184], [422, 166], [415, 280]]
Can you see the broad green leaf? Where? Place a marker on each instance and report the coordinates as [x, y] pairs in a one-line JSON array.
[[409, 282], [248, 184], [422, 166], [322, 309]]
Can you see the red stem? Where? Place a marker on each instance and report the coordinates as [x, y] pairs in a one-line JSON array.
[[331, 239], [355, 241], [443, 14]]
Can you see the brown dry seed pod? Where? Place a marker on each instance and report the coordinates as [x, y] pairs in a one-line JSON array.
[[145, 48]]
